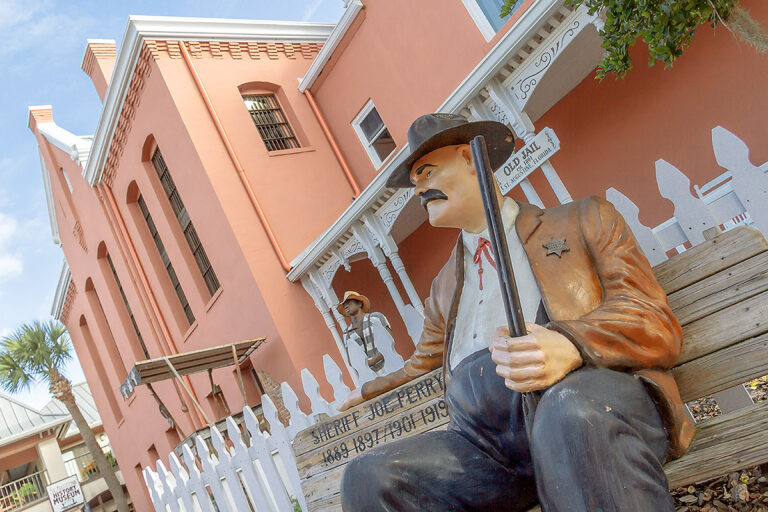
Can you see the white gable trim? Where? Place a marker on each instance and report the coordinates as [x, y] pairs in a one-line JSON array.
[[142, 28], [478, 16], [49, 200], [353, 9], [65, 277], [76, 147]]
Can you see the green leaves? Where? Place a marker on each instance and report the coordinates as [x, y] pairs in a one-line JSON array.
[[31, 353], [666, 26]]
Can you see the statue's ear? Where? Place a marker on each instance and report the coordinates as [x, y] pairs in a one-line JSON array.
[[465, 152]]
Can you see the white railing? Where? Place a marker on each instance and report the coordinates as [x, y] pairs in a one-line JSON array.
[[23, 492], [254, 469]]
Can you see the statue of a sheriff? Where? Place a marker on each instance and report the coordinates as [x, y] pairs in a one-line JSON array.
[[602, 412]]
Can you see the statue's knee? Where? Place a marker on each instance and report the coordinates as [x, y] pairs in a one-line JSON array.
[[565, 408], [367, 476]]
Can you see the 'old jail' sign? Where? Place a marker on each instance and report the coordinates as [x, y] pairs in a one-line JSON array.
[[527, 159], [324, 449]]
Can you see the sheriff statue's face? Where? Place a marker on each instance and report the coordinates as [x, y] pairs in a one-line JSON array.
[[446, 183]]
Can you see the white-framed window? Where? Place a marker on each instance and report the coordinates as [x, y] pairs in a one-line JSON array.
[[485, 13], [373, 134]]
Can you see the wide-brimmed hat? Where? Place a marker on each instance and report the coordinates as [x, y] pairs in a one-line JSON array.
[[434, 131], [351, 295]]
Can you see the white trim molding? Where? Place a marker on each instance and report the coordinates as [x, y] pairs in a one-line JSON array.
[[368, 145], [478, 16], [77, 147], [49, 199], [62, 286], [143, 28], [353, 8]]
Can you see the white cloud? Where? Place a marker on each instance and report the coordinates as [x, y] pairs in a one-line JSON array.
[[311, 9], [10, 262], [42, 25]]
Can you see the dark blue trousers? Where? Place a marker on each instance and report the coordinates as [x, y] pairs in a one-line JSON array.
[[595, 442]]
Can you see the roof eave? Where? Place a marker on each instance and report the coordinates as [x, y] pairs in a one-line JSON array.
[[142, 28], [321, 59]]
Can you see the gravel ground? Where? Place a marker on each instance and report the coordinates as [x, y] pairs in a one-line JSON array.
[[744, 491]]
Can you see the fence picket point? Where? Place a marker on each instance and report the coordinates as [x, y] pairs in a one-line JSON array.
[[749, 182], [335, 379], [152, 482], [170, 487], [299, 421], [386, 345], [312, 390], [358, 361], [643, 234], [196, 479], [690, 211], [211, 476], [227, 469], [259, 451]]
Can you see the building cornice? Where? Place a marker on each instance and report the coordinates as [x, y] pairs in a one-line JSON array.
[[62, 287], [143, 28], [75, 146], [508, 45], [350, 15]]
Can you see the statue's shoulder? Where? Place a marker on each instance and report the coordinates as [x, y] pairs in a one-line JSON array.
[[589, 206]]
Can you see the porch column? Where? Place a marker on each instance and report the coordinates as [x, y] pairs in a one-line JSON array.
[[480, 111], [313, 283], [388, 245], [50, 455], [523, 128], [379, 261]]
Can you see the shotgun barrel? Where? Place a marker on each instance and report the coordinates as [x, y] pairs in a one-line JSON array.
[[498, 238]]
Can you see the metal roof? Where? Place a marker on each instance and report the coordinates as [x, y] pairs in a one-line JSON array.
[[18, 420], [84, 401]]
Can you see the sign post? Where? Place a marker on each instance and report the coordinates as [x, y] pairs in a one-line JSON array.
[[528, 159], [65, 494]]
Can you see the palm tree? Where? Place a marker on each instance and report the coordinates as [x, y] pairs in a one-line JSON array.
[[36, 352]]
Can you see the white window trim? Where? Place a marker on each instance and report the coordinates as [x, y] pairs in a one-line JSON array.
[[372, 154], [477, 14]]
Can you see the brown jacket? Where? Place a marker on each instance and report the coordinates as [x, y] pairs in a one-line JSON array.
[[601, 294]]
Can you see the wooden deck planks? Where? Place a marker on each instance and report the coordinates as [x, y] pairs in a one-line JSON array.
[[709, 258]]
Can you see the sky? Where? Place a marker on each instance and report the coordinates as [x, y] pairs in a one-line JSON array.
[[41, 49]]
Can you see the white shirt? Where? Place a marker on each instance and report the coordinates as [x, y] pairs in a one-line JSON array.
[[482, 311]]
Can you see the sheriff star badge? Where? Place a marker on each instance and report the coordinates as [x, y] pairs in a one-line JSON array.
[[556, 247]]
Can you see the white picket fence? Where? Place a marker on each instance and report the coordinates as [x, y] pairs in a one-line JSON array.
[[736, 197], [257, 470]]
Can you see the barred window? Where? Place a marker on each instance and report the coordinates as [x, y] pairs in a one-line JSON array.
[[271, 122], [190, 233], [166, 261], [127, 306]]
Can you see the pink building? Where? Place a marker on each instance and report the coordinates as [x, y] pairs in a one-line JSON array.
[[237, 166]]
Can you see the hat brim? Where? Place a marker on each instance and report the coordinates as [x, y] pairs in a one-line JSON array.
[[498, 138], [360, 298]]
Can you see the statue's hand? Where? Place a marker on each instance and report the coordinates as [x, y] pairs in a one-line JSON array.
[[534, 361], [353, 399]]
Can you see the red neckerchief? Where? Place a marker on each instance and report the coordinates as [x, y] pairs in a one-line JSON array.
[[483, 249]]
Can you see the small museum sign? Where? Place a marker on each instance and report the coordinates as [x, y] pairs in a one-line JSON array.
[[65, 494]]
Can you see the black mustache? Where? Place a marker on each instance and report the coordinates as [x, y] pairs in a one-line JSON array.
[[431, 194]]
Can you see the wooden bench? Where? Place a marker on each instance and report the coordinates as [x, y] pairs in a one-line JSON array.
[[719, 293]]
